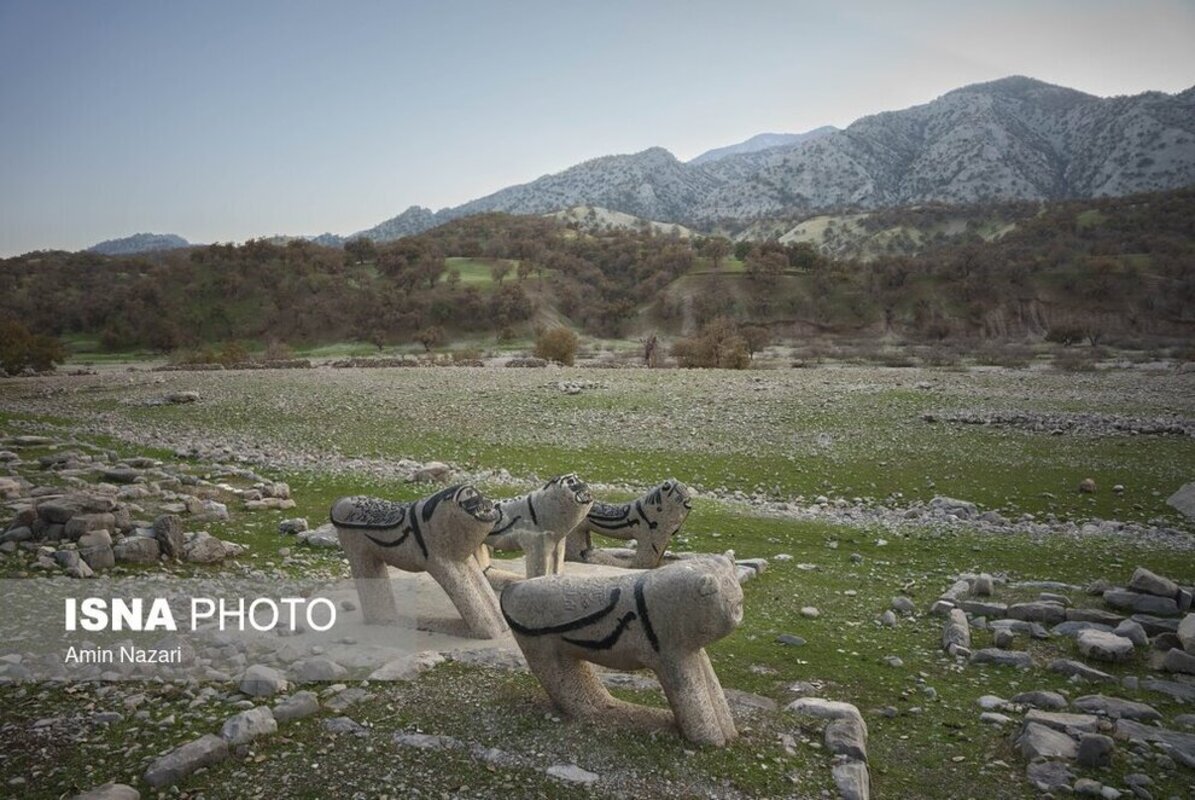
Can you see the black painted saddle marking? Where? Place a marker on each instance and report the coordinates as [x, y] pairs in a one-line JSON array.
[[504, 528], [611, 517], [641, 607], [607, 642], [563, 627]]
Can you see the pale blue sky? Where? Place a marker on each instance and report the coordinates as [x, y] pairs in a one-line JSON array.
[[225, 120]]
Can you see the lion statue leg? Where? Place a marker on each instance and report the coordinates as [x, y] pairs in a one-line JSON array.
[[572, 684], [371, 579], [688, 690], [472, 595]]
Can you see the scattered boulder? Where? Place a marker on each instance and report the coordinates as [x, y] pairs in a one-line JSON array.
[[1186, 633], [1180, 746], [168, 530], [962, 509], [137, 550], [1066, 666], [571, 773], [1148, 582], [110, 791], [1050, 701], [1133, 632], [1139, 602], [1039, 741], [1061, 721], [408, 667], [1095, 750], [1179, 660], [182, 398], [847, 736], [957, 632], [852, 779], [432, 472], [1097, 615], [182, 761], [1183, 500], [292, 526], [262, 681], [297, 706], [1049, 776], [1105, 646], [1038, 611], [248, 725], [1117, 707], [203, 548], [825, 709], [345, 725], [1005, 658], [1087, 486], [317, 669]]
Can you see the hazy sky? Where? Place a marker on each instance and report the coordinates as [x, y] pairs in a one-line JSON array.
[[221, 121]]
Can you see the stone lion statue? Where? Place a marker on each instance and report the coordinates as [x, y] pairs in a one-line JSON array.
[[438, 535], [537, 523], [652, 520], [660, 619]]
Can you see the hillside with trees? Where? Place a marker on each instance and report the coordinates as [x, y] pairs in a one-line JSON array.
[[1079, 270]]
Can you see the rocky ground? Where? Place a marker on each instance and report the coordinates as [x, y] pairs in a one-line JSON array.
[[869, 491]]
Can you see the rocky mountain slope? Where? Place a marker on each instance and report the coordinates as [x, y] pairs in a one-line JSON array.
[[1011, 139], [762, 141], [139, 243]]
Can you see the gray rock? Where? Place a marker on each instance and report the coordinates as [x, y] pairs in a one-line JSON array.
[[1004, 658], [203, 548], [982, 585], [1155, 625], [962, 509], [299, 705], [1032, 629], [941, 608], [1186, 633], [137, 550], [168, 530], [888, 619], [1039, 741], [1049, 776], [1003, 638], [1178, 660], [1183, 500], [248, 725], [1150, 583], [821, 708], [847, 736], [180, 762], [1086, 787], [1140, 603], [790, 640], [423, 741], [317, 669], [323, 536], [110, 791], [1061, 721], [1074, 628], [1095, 750], [262, 681], [990, 702], [571, 773], [1117, 707], [994, 718], [344, 699], [1066, 666], [1052, 597], [904, 605], [1038, 611], [1105, 646], [981, 608], [292, 526], [80, 524], [1180, 746], [1133, 632], [1183, 692], [345, 725], [1094, 615], [121, 475], [408, 667], [1050, 701], [956, 632], [852, 779]]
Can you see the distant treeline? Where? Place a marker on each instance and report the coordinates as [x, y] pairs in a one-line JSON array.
[[1089, 268]]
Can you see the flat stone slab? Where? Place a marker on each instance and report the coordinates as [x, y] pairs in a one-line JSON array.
[[1104, 646], [847, 736], [1038, 611], [1117, 708], [1182, 744], [1151, 583], [1141, 603], [571, 773], [1061, 721], [185, 759], [852, 779], [1066, 666], [1183, 500], [1004, 658], [824, 709], [1183, 692], [1040, 741], [1050, 701]]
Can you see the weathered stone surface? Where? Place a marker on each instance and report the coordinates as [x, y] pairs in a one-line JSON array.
[[407, 668], [1040, 741], [904, 605], [956, 632], [1183, 500], [297, 706], [1074, 628], [1117, 707], [852, 779], [1067, 666], [292, 526], [1140, 603], [1038, 611], [1005, 658], [847, 736], [981, 608], [1050, 701], [821, 708], [982, 585], [1032, 629], [110, 791], [182, 761], [571, 773], [168, 530], [203, 548], [1151, 583], [248, 725], [346, 698], [1049, 776], [1095, 750], [1133, 632], [1155, 625], [1186, 633], [1181, 745], [1178, 660], [345, 725], [1061, 721], [137, 550], [962, 509], [1105, 646], [80, 524], [317, 669], [262, 681], [1183, 692]]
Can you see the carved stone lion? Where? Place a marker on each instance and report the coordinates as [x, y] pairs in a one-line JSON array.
[[537, 523], [438, 534], [651, 520], [660, 619]]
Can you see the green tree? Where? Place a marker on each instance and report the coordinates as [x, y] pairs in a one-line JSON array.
[[499, 271], [557, 344], [715, 249]]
